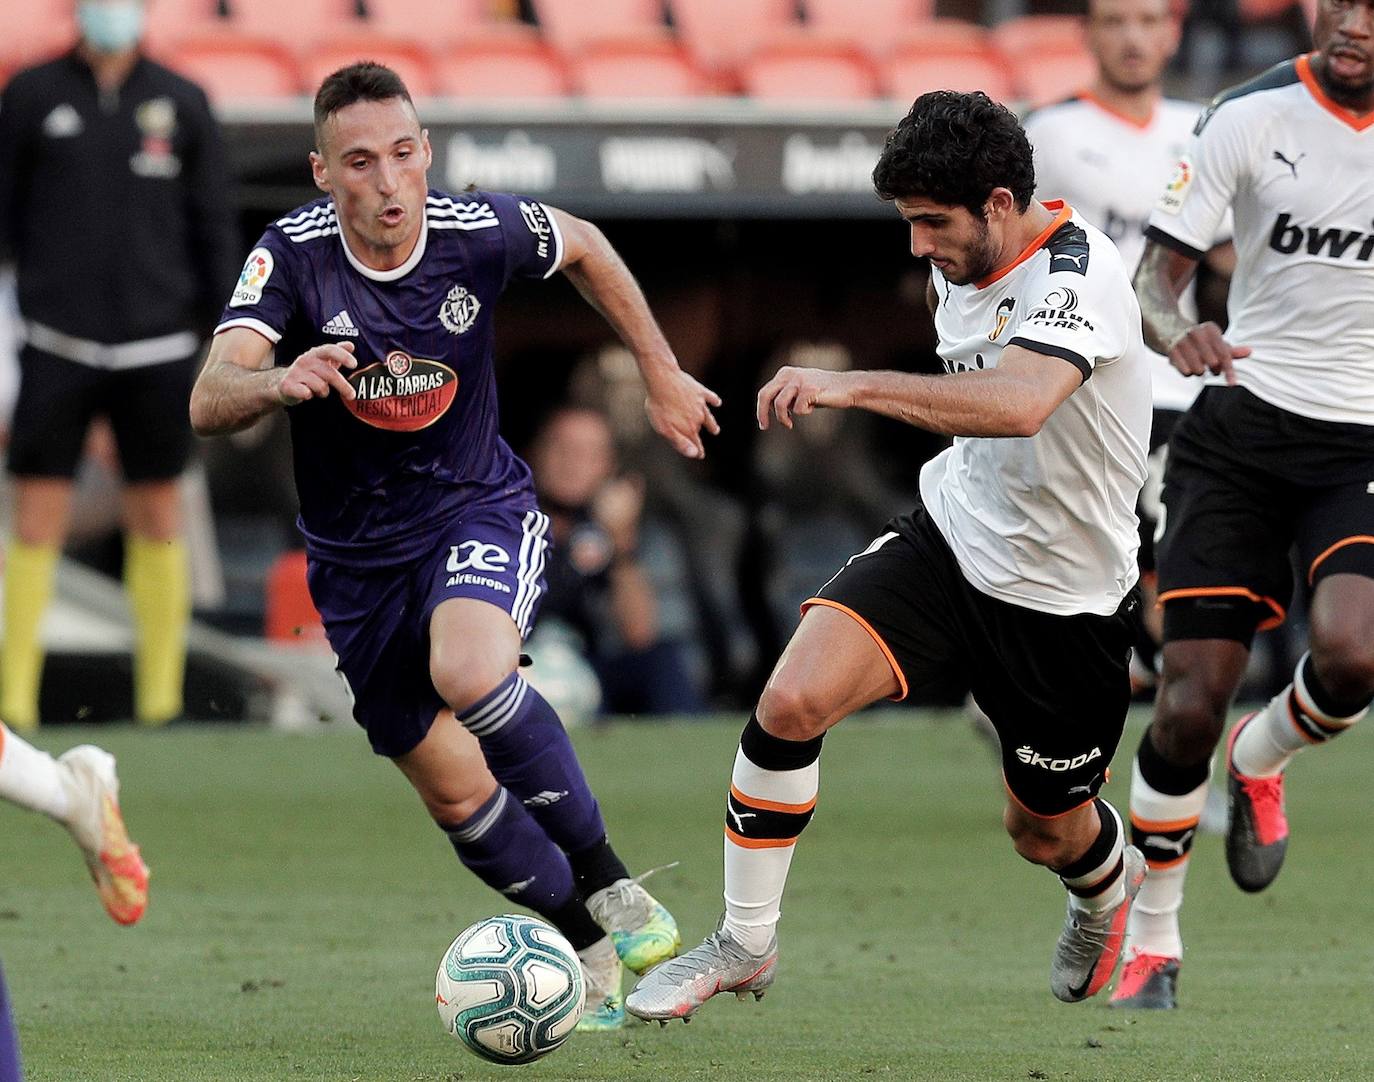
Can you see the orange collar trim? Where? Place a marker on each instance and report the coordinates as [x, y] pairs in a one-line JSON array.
[[1358, 121], [1117, 114], [1062, 213]]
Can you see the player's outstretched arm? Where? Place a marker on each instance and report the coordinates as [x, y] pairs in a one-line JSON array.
[[678, 406], [239, 384], [1013, 399], [1192, 348]]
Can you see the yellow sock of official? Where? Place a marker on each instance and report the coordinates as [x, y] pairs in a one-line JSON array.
[[157, 576], [29, 571]]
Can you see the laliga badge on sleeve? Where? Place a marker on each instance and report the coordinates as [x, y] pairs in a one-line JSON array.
[[252, 279], [1171, 199]]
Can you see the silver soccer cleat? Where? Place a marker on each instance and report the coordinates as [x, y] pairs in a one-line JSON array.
[[1090, 944], [678, 987]]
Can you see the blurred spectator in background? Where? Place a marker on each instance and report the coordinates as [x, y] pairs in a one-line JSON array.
[[115, 208], [597, 585]]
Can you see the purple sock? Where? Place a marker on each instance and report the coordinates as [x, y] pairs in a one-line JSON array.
[[9, 1041], [527, 749], [506, 849]]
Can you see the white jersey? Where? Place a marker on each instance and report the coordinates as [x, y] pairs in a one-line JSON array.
[[1298, 171], [1112, 168], [1048, 522]]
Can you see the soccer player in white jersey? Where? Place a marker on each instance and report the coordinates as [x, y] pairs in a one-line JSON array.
[[1109, 150], [1277, 451], [1018, 573], [80, 790]]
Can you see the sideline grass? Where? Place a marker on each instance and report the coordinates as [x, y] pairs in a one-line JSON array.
[[301, 902]]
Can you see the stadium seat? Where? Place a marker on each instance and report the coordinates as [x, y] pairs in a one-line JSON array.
[[502, 63], [170, 21], [943, 37], [297, 24], [720, 33], [1257, 11], [1044, 78], [807, 67], [572, 24], [910, 72], [873, 24], [291, 616], [638, 66], [235, 68], [35, 30], [1038, 34], [407, 59], [434, 23]]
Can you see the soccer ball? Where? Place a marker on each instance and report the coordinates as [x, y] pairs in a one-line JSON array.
[[510, 988]]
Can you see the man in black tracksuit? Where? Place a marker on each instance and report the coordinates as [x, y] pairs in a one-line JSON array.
[[115, 208]]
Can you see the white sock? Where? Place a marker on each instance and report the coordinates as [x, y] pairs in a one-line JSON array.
[[1163, 828], [765, 813], [31, 778], [1100, 885], [1290, 722]]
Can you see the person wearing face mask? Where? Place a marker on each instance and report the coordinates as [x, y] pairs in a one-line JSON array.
[[115, 210]]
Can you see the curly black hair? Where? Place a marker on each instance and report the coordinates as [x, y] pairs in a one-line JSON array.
[[955, 148]]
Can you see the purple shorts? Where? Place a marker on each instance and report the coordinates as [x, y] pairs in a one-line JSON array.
[[377, 619]]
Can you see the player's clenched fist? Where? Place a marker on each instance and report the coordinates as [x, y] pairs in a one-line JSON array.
[[800, 391], [1203, 349], [315, 371]]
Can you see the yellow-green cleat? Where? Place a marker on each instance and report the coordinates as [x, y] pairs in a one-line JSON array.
[[643, 931], [601, 970]]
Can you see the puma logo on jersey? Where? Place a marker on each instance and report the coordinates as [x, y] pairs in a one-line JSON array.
[[1279, 156], [1077, 261], [1288, 237], [1177, 845]]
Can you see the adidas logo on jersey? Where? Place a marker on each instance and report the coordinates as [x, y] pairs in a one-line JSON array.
[[342, 325], [1288, 237]]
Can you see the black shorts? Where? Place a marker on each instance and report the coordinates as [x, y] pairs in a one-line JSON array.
[[147, 408], [1055, 687], [1147, 504], [1246, 482]]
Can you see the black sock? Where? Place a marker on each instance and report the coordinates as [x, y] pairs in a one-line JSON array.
[[595, 867]]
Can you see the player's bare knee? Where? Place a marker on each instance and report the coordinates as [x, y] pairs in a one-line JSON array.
[[465, 680], [456, 801], [790, 711], [1189, 716], [1342, 645], [1034, 843]]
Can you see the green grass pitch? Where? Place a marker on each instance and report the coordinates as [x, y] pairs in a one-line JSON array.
[[301, 901]]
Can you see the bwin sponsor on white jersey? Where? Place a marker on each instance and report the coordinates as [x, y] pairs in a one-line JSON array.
[[1031, 757]]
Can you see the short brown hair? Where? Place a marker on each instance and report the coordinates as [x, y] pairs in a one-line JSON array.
[[364, 81]]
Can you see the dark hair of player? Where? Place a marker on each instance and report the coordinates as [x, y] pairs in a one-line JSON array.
[[954, 149], [364, 81]]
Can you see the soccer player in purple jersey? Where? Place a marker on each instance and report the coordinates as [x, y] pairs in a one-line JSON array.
[[368, 316]]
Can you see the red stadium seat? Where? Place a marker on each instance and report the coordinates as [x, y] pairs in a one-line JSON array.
[[573, 24], [809, 68], [405, 58], [430, 22], [503, 63], [874, 24], [1038, 34], [909, 73], [35, 30], [943, 37], [297, 24], [720, 33], [638, 66], [1044, 78], [170, 21], [233, 68]]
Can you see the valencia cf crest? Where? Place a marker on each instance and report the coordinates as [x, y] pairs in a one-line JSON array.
[[459, 311], [1004, 311]]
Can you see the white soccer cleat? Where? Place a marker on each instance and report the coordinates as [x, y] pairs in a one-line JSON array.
[[115, 864]]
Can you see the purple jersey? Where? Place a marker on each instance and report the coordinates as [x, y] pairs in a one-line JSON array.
[[418, 448]]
